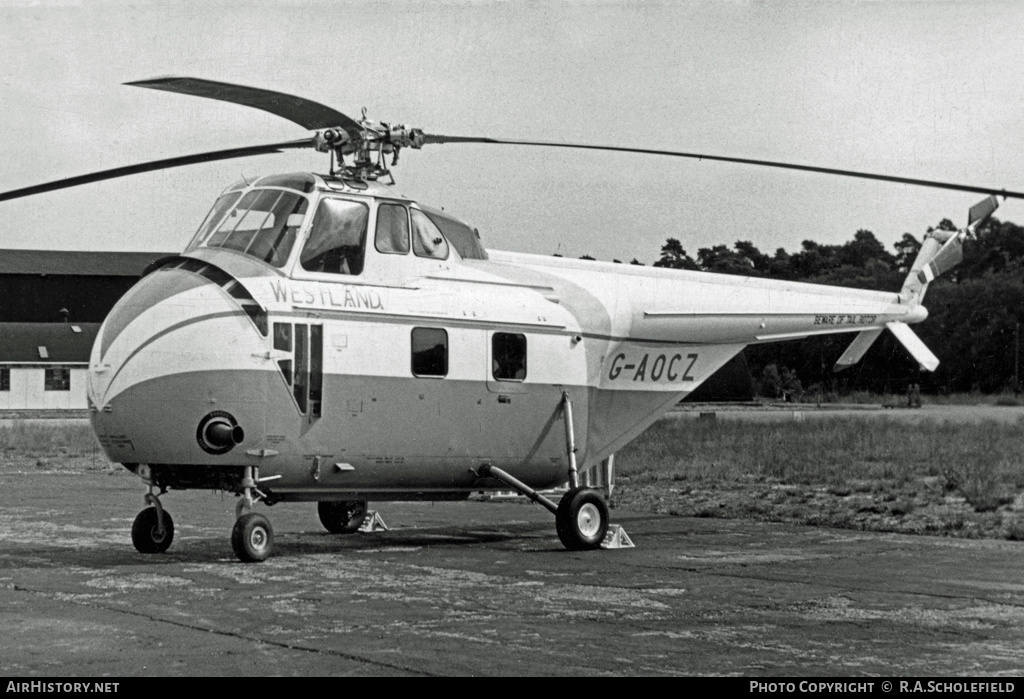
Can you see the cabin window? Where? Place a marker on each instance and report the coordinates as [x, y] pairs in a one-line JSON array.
[[301, 384], [392, 236], [508, 355], [305, 346], [429, 352], [427, 240], [263, 225], [283, 342], [464, 239], [337, 238], [316, 369], [5, 379], [57, 379]]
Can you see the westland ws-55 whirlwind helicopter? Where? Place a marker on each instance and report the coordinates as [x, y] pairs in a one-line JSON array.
[[323, 338]]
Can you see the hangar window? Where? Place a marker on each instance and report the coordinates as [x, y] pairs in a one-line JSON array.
[[57, 379], [429, 352], [337, 238], [508, 356], [5, 379]]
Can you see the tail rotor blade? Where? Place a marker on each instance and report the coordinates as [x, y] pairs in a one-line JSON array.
[[948, 257], [980, 212]]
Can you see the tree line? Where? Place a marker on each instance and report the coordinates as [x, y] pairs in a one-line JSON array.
[[973, 326]]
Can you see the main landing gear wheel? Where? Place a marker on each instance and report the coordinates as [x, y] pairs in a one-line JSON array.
[[146, 534], [581, 519], [252, 538], [342, 517]]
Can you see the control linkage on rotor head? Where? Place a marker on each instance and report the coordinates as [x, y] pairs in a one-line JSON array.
[[373, 138]]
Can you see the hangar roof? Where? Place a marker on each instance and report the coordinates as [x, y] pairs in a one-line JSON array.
[[77, 262], [54, 343]]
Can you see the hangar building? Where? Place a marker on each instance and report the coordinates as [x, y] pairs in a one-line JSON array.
[[51, 307]]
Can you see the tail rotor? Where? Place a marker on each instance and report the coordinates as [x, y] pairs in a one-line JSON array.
[[940, 252]]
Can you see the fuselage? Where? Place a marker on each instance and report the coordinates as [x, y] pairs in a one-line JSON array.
[[350, 343]]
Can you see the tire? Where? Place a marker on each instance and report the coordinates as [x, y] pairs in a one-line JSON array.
[[582, 519], [146, 531], [342, 517], [252, 538]]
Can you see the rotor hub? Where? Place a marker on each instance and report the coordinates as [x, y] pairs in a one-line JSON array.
[[360, 152]]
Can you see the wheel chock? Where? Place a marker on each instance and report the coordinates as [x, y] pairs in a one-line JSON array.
[[373, 523], [617, 538]]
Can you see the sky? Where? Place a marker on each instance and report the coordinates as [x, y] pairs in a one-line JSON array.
[[929, 90]]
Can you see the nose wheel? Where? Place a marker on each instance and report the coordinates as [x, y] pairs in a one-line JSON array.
[[252, 538], [149, 533]]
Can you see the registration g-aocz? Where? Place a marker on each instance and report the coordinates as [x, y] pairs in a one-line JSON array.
[[671, 368]]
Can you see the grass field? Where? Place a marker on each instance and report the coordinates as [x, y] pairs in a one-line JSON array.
[[51, 444], [949, 477], [864, 473]]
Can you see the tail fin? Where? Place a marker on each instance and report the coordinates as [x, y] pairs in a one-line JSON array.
[[907, 337], [912, 343], [940, 252]]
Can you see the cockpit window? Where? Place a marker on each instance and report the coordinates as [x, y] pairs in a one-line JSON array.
[[337, 238], [427, 240], [263, 224], [392, 234], [220, 207], [302, 181]]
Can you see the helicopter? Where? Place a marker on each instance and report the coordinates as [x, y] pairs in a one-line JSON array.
[[325, 339]]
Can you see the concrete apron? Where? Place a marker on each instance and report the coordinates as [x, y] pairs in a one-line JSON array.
[[477, 588]]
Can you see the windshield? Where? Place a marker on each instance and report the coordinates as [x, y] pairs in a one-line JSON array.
[[220, 208], [263, 224]]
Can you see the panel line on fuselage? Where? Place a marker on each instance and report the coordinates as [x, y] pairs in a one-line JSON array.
[[173, 328]]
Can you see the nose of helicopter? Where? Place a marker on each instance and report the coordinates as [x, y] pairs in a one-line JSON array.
[[176, 375]]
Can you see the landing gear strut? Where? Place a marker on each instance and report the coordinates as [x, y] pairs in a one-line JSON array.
[[252, 537], [581, 516]]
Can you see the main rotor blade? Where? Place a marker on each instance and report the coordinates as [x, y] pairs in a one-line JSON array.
[[155, 165], [306, 113], [430, 138]]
